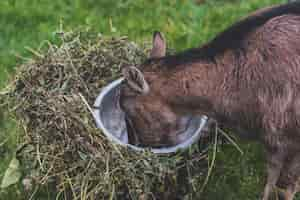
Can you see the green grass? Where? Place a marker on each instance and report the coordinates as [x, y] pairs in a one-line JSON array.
[[26, 23]]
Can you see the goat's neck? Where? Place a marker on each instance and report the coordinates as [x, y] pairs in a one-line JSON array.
[[204, 87]]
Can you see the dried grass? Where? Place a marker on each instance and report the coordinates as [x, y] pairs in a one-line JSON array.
[[62, 146]]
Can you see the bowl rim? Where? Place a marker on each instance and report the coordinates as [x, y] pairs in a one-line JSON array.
[[164, 150]]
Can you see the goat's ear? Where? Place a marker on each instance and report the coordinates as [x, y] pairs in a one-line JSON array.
[[158, 46], [135, 79]]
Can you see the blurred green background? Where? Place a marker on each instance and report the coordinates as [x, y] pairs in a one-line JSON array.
[[25, 24]]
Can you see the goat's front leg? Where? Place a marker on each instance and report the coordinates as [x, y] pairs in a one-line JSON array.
[[289, 178], [274, 165]]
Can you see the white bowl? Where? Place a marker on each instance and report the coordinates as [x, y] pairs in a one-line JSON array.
[[110, 119]]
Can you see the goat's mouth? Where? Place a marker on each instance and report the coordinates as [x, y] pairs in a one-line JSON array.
[[159, 140]]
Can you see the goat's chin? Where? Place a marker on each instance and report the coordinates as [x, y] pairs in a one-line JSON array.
[[165, 139], [175, 137]]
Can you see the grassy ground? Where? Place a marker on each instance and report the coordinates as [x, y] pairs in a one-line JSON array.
[[27, 23]]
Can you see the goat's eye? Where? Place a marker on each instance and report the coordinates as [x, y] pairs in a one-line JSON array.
[[128, 106]]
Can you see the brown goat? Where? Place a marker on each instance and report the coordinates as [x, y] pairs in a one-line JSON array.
[[247, 78]]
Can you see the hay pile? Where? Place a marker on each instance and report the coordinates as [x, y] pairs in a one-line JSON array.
[[62, 146]]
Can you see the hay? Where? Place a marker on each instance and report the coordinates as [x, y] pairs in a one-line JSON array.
[[62, 146]]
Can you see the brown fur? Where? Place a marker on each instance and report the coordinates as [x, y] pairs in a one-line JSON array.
[[247, 78]]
